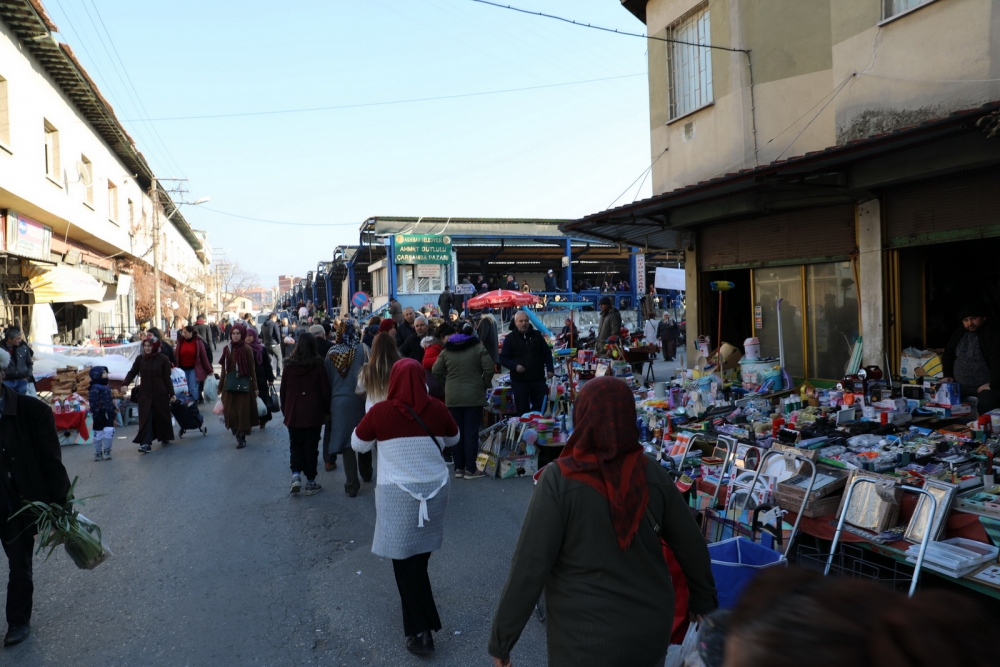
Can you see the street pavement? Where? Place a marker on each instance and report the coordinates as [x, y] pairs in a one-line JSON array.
[[216, 564]]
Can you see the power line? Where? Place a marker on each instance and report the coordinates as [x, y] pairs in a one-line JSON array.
[[580, 24], [392, 102], [282, 222]]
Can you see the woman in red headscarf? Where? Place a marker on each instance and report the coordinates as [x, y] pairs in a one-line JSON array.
[[411, 496], [588, 540], [154, 394], [239, 394]]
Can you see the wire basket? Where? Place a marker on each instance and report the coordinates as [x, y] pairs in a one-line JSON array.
[[857, 563]]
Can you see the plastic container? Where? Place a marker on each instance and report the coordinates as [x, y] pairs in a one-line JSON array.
[[751, 349]]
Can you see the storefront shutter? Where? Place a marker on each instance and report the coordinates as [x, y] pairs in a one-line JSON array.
[[798, 237], [945, 209]]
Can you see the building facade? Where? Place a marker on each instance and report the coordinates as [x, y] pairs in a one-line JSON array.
[[75, 193], [831, 154]]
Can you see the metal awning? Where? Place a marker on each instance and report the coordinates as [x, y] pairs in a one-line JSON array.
[[843, 174]]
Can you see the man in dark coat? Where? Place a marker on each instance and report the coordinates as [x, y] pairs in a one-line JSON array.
[[446, 302], [550, 282], [411, 347], [972, 358], [405, 328], [270, 338], [21, 369], [487, 332], [529, 359], [610, 324], [202, 329], [667, 331], [31, 469]]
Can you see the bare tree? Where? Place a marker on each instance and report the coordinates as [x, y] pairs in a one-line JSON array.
[[234, 280]]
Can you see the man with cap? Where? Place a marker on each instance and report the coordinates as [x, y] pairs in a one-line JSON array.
[[19, 373], [322, 344], [972, 358], [31, 470], [611, 324], [550, 282]]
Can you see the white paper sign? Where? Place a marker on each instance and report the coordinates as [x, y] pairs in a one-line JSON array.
[[670, 279]]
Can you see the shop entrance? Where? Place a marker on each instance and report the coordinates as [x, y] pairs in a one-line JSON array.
[[736, 304], [935, 282]]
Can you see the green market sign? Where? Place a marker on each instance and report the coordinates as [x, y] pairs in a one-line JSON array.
[[422, 249]]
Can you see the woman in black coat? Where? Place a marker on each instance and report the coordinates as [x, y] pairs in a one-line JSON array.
[[265, 373], [154, 395]]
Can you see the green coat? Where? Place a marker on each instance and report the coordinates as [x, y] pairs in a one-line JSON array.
[[605, 607], [465, 370]]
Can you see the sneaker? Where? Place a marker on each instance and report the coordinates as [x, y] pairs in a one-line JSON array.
[[107, 454], [459, 473], [145, 449], [98, 456], [474, 474], [312, 488], [296, 484]]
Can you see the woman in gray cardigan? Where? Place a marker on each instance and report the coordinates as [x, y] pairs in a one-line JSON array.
[[343, 364]]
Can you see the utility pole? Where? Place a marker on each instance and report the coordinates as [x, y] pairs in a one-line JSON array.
[[158, 313]]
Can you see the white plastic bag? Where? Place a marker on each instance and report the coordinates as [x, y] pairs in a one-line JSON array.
[[211, 388], [219, 408], [179, 380], [685, 652], [261, 408]]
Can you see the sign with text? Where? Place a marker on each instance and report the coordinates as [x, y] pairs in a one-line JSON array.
[[428, 270], [670, 279], [462, 288], [422, 249], [640, 274], [27, 238]]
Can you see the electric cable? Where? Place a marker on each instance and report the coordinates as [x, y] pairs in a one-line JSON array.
[[392, 102], [642, 176], [282, 222]]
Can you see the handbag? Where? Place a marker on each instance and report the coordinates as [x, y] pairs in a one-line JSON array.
[[237, 384], [275, 402]]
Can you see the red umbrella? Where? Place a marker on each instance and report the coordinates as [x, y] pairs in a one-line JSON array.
[[502, 298]]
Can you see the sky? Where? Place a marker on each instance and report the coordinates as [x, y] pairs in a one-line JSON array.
[[560, 151]]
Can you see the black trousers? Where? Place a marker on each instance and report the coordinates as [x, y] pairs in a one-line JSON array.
[[465, 451], [303, 444], [419, 611], [528, 396], [353, 463], [18, 545]]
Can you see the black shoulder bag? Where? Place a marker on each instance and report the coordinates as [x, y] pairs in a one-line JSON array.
[[424, 426], [235, 383]]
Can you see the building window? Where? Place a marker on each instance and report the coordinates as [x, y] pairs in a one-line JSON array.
[[4, 116], [689, 66], [88, 179], [892, 8], [112, 201], [51, 151], [422, 279]]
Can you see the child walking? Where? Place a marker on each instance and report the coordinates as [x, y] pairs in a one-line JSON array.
[[102, 407]]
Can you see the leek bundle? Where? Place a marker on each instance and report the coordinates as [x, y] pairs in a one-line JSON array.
[[63, 524]]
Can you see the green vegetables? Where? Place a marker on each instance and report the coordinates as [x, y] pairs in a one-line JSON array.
[[63, 524]]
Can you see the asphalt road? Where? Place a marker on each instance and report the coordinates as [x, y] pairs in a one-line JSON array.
[[216, 564]]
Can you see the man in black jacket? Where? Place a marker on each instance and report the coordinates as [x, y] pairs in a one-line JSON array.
[[405, 328], [21, 369], [446, 302], [412, 347], [202, 329], [529, 359], [31, 469], [972, 358], [270, 337]]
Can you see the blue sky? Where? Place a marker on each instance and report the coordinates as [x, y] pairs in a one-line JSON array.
[[562, 151]]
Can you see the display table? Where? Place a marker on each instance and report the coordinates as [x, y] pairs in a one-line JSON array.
[[73, 421]]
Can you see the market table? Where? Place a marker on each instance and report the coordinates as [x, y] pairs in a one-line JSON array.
[[73, 421]]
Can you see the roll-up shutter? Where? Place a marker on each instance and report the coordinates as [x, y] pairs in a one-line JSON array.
[[945, 209], [806, 236]]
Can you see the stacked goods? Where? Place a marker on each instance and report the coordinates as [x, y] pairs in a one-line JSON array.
[[64, 383], [83, 382]]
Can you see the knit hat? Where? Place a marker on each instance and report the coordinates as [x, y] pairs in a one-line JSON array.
[[387, 325], [973, 309], [605, 301], [317, 330]]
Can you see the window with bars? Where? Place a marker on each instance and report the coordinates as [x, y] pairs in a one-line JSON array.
[[689, 64], [411, 280], [891, 8]]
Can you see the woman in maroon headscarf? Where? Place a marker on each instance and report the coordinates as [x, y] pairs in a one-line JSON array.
[[588, 540], [239, 407], [411, 495], [154, 394]]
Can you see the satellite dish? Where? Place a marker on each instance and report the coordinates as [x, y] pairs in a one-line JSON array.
[[83, 174]]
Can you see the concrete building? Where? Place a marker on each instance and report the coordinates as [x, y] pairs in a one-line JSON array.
[[287, 283], [830, 153], [75, 194]]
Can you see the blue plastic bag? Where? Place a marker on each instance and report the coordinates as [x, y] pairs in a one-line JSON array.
[[735, 563]]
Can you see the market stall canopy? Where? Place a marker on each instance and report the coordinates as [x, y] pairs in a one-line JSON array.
[[502, 298], [64, 284]]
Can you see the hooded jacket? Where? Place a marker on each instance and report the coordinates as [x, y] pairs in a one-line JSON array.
[[529, 350], [21, 362], [611, 325], [101, 400], [466, 371], [488, 334]]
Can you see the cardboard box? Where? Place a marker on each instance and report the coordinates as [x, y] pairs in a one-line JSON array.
[[814, 508], [829, 480], [510, 466]]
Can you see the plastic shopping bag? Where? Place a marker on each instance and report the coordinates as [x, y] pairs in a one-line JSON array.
[[685, 653], [261, 407], [211, 388], [178, 379], [219, 408]]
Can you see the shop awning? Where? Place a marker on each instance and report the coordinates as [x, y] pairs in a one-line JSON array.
[[64, 284]]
